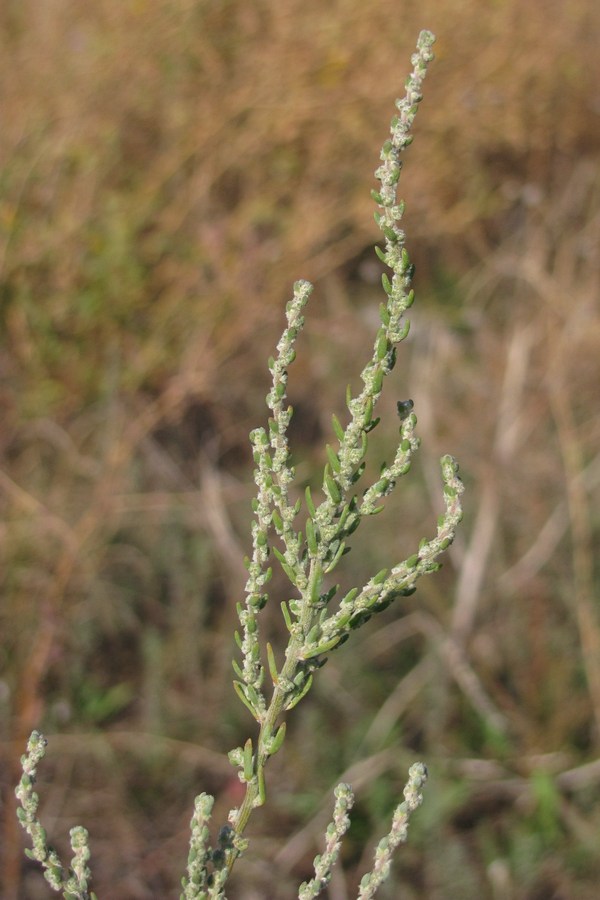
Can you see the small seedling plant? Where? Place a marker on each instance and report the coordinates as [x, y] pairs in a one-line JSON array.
[[307, 538]]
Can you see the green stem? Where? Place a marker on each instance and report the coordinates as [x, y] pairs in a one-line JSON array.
[[277, 705]]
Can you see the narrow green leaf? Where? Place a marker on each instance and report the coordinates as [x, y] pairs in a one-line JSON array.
[[296, 698], [237, 669], [286, 616], [403, 333], [350, 597], [384, 314], [278, 739], [289, 572], [253, 696], [315, 582], [321, 648], [382, 346], [337, 427], [314, 634], [381, 576], [248, 760], [343, 518], [278, 554], [332, 488], [311, 537], [309, 503], [364, 440], [338, 555], [343, 619], [334, 460], [368, 412], [262, 789], [272, 665], [239, 689], [378, 381]]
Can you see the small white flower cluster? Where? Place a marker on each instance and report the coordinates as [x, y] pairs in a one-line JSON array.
[[72, 881]]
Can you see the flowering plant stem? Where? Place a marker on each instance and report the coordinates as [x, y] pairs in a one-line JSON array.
[[314, 629], [307, 556]]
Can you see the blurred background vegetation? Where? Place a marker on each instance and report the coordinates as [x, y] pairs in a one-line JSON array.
[[167, 170]]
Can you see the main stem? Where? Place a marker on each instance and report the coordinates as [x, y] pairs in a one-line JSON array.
[[277, 705]]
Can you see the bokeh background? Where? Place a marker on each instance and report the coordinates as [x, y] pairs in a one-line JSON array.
[[167, 169]]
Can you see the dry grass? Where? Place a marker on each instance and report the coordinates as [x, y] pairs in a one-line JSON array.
[[168, 169]]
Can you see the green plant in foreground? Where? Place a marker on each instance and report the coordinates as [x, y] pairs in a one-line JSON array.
[[307, 557]]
